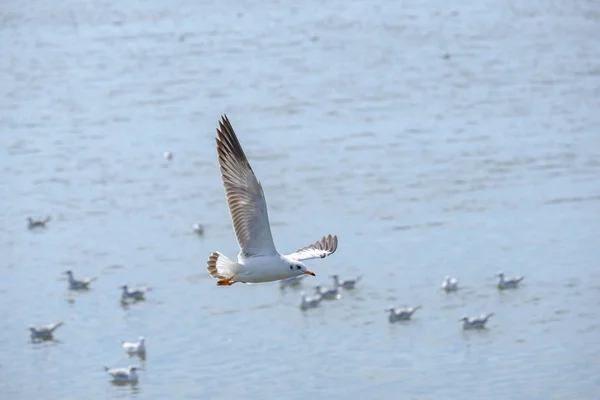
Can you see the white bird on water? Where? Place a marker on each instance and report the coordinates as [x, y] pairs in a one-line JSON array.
[[78, 284], [349, 283], [168, 155], [328, 293], [258, 260], [44, 332], [291, 282], [508, 283], [138, 347], [401, 314], [128, 374], [475, 322], [135, 294], [309, 302], [450, 284], [198, 229], [37, 223]]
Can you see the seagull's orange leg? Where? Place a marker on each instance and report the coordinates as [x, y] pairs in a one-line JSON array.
[[226, 282]]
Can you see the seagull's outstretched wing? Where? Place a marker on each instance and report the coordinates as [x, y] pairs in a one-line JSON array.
[[320, 249], [245, 197]]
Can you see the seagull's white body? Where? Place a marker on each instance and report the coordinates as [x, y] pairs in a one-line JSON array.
[[168, 156], [258, 260], [349, 283], [138, 347], [328, 293], [476, 322], [309, 302], [135, 294], [44, 332], [37, 223], [290, 282], [198, 228], [401, 314], [508, 283], [450, 284], [78, 284], [128, 374]]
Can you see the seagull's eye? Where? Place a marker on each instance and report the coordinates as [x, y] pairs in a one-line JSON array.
[[291, 267], [298, 267]]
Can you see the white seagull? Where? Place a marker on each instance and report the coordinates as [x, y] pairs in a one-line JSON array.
[[401, 314], [450, 284], [37, 223], [258, 260], [77, 284], [475, 322], [138, 347], [123, 374], [198, 229], [508, 283], [44, 332], [135, 294], [290, 282], [328, 293], [168, 155], [349, 283], [309, 302]]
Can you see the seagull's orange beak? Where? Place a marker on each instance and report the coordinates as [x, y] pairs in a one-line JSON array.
[[309, 273]]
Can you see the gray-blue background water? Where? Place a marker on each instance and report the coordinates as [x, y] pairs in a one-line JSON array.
[[433, 138]]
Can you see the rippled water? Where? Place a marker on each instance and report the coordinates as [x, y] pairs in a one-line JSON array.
[[432, 138]]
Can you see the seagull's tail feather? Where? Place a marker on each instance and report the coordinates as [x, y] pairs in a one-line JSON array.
[[221, 267], [43, 221], [488, 316], [56, 325]]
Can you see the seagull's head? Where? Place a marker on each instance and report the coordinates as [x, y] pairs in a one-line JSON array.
[[141, 339], [464, 319], [298, 268], [69, 272], [500, 275], [133, 368]]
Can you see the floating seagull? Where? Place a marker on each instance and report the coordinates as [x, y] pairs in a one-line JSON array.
[[508, 283], [401, 314], [37, 223], [138, 347], [309, 302], [44, 332], [123, 374], [168, 156], [135, 294], [450, 284], [328, 293], [293, 281], [77, 284], [349, 283], [258, 260], [475, 322], [198, 229]]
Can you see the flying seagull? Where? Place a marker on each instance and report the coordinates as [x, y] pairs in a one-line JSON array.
[[258, 260]]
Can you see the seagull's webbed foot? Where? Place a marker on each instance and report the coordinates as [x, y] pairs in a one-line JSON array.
[[226, 282]]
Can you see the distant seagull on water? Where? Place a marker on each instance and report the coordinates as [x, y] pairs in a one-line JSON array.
[[401, 314], [78, 284], [123, 375], [450, 284], [168, 156], [508, 283], [258, 260], [309, 302], [135, 294], [138, 347], [44, 332], [291, 282], [37, 223], [198, 229], [348, 283], [475, 322]]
